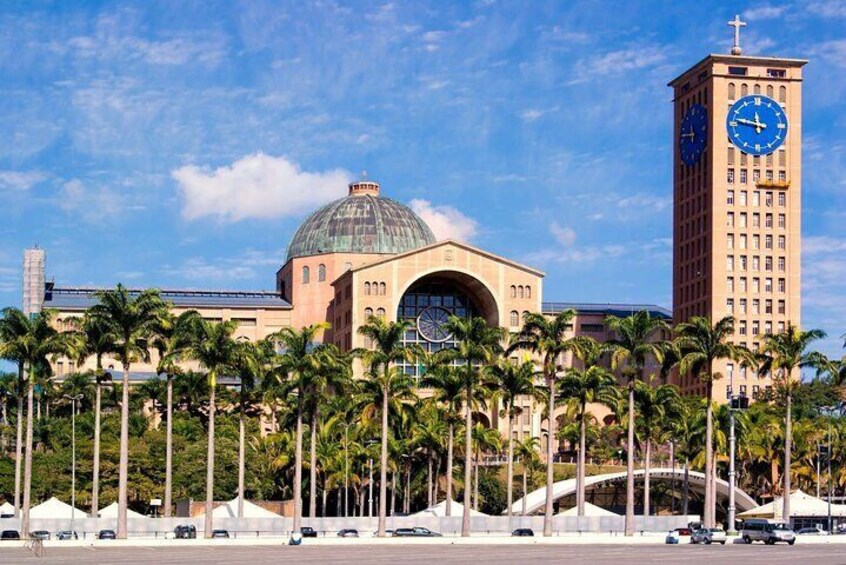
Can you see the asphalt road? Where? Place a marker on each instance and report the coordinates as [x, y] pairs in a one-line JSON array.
[[438, 554]]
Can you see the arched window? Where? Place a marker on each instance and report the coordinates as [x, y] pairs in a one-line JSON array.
[[744, 90], [782, 94], [520, 291], [368, 313], [528, 292], [367, 289], [305, 275], [757, 89], [770, 90], [525, 313], [321, 272], [731, 91], [382, 289], [380, 313], [515, 318], [513, 291]]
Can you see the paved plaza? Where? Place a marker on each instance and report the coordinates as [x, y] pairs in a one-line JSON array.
[[818, 554]]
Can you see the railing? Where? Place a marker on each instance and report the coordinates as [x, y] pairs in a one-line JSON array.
[[36, 546]]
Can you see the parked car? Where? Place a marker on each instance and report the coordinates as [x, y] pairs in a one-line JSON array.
[[66, 534], [709, 536], [523, 533], [106, 534], [415, 532], [308, 532], [767, 532], [220, 534], [815, 531], [679, 535], [186, 531], [39, 534], [348, 533], [10, 535]]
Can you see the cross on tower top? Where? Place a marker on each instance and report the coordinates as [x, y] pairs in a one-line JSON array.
[[736, 24]]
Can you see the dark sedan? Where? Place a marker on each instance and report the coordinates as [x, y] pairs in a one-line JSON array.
[[220, 534], [40, 534], [523, 533], [10, 535], [415, 532], [106, 534], [66, 535], [308, 532], [348, 533]]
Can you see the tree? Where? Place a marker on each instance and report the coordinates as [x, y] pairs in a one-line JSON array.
[[527, 453], [388, 347], [702, 343], [548, 338], [633, 344], [781, 355], [300, 359], [477, 345], [591, 384], [448, 390], [95, 339], [655, 407], [31, 341], [484, 439], [512, 383], [170, 338], [130, 318]]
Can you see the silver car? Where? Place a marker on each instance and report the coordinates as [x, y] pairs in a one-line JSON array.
[[767, 532], [709, 536]]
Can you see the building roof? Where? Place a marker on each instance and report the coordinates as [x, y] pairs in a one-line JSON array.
[[81, 298], [607, 309], [802, 505], [362, 222]]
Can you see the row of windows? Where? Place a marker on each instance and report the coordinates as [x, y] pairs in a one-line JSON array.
[[756, 306], [521, 291], [744, 264], [743, 239], [756, 176], [321, 273], [368, 312], [375, 289], [742, 285], [756, 394], [756, 89], [756, 220], [743, 199], [756, 159], [756, 327]]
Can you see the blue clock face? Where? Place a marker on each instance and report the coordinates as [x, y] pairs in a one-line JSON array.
[[756, 124], [693, 135]]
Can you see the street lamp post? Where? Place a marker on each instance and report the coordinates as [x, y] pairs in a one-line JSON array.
[[346, 470], [73, 400], [830, 411], [738, 402], [370, 489]]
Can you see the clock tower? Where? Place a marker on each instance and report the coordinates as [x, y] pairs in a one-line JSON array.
[[737, 201]]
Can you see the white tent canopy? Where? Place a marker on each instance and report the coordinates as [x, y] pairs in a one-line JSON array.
[[590, 510], [456, 509], [111, 511], [230, 510], [6, 509], [55, 508], [802, 505]]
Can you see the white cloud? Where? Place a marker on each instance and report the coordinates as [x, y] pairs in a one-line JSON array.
[[256, 186], [641, 202], [19, 181], [764, 12], [531, 115], [834, 51], [445, 221], [563, 235], [828, 8], [623, 61], [822, 244], [90, 203]]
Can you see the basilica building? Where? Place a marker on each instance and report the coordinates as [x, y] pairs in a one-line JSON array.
[[360, 256]]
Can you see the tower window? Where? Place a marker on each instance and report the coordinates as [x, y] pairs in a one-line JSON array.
[[782, 94], [380, 313], [770, 90], [367, 289], [776, 73], [513, 291], [306, 274], [731, 91], [382, 289], [515, 318], [321, 272], [738, 71], [368, 313]]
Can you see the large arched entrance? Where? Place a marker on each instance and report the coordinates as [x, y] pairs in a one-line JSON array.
[[431, 300]]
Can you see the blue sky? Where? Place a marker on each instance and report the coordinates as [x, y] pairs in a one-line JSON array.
[[179, 144]]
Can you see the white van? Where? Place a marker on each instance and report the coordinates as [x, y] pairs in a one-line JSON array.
[[767, 531]]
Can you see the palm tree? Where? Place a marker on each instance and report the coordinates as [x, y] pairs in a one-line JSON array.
[[702, 343], [212, 345], [130, 318], [512, 382], [484, 440], [549, 338], [527, 453], [592, 384], [477, 344], [448, 390], [32, 341], [170, 338], [632, 345], [388, 348], [781, 355], [12, 348], [96, 340], [300, 359], [428, 436], [655, 406], [686, 433]]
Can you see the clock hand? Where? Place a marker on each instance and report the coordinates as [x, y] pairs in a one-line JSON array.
[[757, 124]]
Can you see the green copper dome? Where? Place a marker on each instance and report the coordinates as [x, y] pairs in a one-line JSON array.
[[363, 222]]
